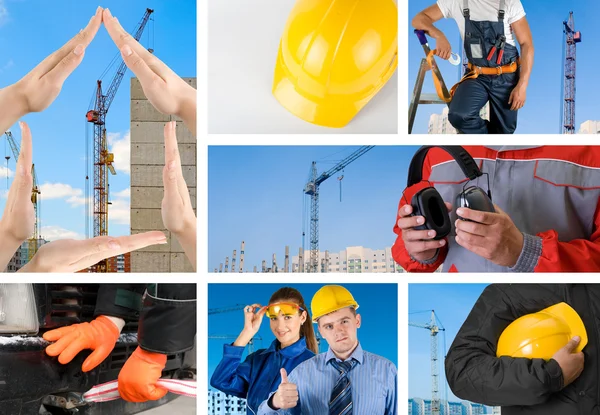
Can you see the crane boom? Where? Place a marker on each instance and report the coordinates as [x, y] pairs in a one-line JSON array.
[[35, 191], [103, 160], [312, 189]]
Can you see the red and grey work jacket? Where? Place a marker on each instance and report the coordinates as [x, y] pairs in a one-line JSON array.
[[551, 193]]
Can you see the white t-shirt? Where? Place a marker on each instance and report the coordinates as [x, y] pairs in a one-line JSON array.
[[483, 10]]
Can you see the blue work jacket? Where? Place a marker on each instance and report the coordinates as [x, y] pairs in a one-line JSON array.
[[257, 376]]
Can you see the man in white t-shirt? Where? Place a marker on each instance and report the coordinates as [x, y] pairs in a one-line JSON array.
[[490, 30]]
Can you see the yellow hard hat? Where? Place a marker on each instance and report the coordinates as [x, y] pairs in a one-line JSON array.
[[541, 334], [330, 298], [334, 56]]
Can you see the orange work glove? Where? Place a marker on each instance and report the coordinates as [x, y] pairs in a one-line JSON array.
[[138, 377], [100, 335]]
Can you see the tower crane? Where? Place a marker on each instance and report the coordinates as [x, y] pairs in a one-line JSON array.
[[572, 38], [251, 343], [103, 160], [35, 199], [312, 189], [434, 326]]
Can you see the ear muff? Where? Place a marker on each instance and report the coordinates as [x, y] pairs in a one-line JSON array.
[[474, 198], [429, 204]]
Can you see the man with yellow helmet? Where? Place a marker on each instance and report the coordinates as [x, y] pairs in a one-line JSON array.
[[343, 381], [523, 347]]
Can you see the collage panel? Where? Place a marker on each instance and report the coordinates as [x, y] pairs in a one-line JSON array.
[[97, 349], [503, 348], [302, 67], [101, 131], [298, 348], [502, 67], [390, 209]]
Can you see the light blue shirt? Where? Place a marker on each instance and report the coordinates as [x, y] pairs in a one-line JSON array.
[[374, 385]]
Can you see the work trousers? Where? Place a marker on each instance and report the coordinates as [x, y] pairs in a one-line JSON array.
[[472, 94]]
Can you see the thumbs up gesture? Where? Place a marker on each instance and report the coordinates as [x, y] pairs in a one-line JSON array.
[[287, 393]]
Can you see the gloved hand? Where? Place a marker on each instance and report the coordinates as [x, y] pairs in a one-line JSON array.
[[100, 335], [138, 377]]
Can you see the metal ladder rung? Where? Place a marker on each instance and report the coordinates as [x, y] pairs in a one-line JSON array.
[[430, 99]]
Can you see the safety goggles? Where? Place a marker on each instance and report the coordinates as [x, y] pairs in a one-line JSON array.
[[288, 309]]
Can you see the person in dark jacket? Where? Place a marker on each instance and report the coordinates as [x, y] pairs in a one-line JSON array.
[[567, 384], [259, 375], [167, 325]]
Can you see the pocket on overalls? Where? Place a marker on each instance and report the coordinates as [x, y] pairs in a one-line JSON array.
[[474, 47]]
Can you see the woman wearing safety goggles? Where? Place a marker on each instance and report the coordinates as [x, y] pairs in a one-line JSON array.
[[259, 375]]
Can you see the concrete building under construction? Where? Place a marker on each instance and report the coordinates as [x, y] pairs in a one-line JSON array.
[[147, 161]]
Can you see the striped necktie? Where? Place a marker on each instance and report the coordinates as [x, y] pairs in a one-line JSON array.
[[341, 397]]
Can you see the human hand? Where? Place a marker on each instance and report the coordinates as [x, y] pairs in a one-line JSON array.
[[252, 319], [443, 49], [570, 363], [138, 377], [165, 90], [492, 236], [41, 86], [18, 220], [100, 335], [517, 97], [287, 393], [418, 243], [69, 255], [177, 213]]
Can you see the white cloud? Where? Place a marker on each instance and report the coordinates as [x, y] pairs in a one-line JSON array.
[[3, 13], [120, 145], [118, 212], [4, 171], [7, 66], [123, 194], [52, 233], [59, 191]]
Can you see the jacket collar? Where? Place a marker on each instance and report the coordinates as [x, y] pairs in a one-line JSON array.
[[357, 355], [289, 352]]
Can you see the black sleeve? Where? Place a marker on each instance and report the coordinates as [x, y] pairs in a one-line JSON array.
[[475, 373], [120, 300], [168, 319]]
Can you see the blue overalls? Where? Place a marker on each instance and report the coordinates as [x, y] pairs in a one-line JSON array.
[[472, 94], [258, 376]]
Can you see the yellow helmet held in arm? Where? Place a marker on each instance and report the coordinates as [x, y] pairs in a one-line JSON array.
[[334, 56], [541, 334], [330, 298]]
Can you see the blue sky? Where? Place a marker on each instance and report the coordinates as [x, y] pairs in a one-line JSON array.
[[452, 304], [541, 113], [378, 306], [255, 194], [29, 31]]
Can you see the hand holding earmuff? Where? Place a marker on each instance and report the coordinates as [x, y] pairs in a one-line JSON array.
[[420, 244], [492, 236]]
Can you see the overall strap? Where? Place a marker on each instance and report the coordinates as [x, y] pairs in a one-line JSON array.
[[466, 12], [501, 11]]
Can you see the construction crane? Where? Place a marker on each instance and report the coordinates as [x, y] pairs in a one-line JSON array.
[[251, 343], [434, 326], [103, 160], [35, 199], [572, 38], [236, 307], [312, 189]]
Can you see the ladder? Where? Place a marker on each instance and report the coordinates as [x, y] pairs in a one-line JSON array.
[[424, 98]]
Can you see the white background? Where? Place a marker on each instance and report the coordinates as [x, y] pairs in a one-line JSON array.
[[243, 41]]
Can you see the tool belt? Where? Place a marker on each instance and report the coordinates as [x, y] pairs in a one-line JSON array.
[[475, 71]]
